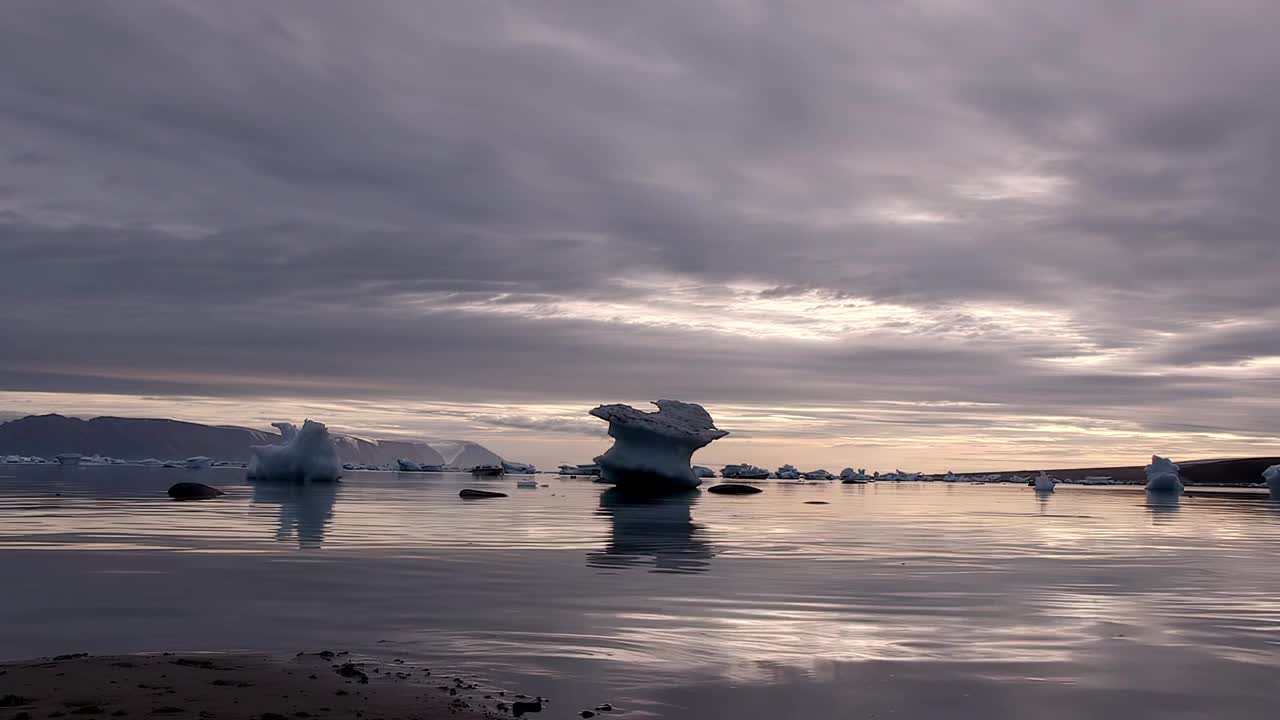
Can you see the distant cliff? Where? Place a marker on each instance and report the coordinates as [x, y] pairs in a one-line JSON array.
[[139, 438]]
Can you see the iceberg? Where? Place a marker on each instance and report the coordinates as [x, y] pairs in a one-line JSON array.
[[1043, 483], [1162, 475], [744, 471], [307, 455], [787, 472], [651, 450], [68, 458], [849, 475], [817, 475], [1272, 476], [703, 472], [517, 468], [199, 462], [408, 465]]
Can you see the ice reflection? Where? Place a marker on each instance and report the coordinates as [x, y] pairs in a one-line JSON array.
[[652, 530], [1162, 505], [305, 509]]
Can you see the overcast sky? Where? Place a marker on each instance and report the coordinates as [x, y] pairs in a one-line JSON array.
[[928, 234]]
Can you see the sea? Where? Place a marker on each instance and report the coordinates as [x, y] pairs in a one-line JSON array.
[[896, 600]]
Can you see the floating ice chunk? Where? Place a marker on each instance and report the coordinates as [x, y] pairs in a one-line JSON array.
[[787, 472], [517, 468], [703, 472], [1272, 476], [849, 475], [1044, 483], [818, 475], [651, 451], [1162, 475], [408, 465], [745, 471], [68, 458], [308, 455], [199, 462]]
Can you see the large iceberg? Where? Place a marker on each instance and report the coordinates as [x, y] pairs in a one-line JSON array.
[[307, 455], [1162, 475], [651, 450], [1272, 476]]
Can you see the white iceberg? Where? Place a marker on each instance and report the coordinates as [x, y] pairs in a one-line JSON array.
[[818, 475], [651, 450], [703, 472], [517, 468], [1044, 483], [849, 475], [307, 455], [1272, 476], [744, 471], [787, 472], [1162, 475]]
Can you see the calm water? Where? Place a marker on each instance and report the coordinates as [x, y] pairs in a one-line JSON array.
[[890, 601]]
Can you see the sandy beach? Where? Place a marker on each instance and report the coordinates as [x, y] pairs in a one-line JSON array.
[[252, 687]]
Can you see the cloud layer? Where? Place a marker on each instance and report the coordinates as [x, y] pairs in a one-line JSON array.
[[894, 225]]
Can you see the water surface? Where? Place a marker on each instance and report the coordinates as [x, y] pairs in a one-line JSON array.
[[905, 600]]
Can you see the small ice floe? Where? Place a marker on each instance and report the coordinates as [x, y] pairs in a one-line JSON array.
[[199, 462], [1162, 475], [818, 475], [1272, 476], [526, 483], [307, 455], [854, 477], [703, 472], [787, 472], [651, 450], [408, 465], [744, 471], [1043, 483], [582, 469], [518, 468], [69, 458]]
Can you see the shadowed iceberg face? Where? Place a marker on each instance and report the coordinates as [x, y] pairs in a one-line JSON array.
[[1162, 475], [652, 530], [652, 451]]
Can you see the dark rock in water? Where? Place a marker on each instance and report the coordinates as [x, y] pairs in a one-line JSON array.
[[734, 489], [351, 671], [469, 493], [587, 714], [521, 707], [193, 491], [816, 502]]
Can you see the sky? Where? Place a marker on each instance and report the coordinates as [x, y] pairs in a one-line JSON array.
[[925, 234]]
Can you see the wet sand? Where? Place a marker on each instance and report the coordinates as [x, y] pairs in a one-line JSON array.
[[249, 687]]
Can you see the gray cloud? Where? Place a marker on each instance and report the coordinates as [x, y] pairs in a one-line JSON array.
[[1063, 210]]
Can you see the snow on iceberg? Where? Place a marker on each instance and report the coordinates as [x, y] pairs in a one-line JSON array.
[[651, 450], [1162, 475], [307, 455], [1272, 476]]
